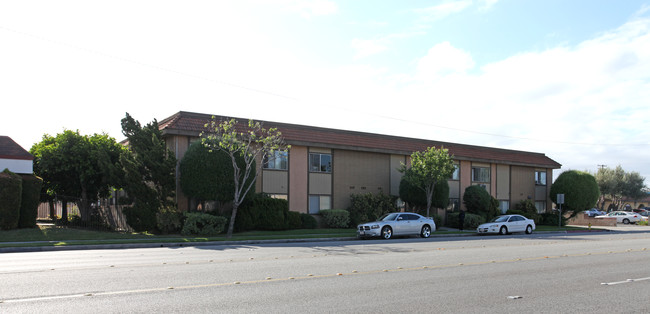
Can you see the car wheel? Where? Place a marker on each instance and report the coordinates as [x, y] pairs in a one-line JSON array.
[[386, 232], [529, 229], [426, 231], [626, 221], [503, 230]]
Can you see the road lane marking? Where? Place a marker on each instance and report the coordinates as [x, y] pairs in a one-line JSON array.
[[312, 276], [624, 281]]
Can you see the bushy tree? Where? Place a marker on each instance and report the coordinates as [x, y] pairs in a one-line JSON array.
[[247, 141], [429, 168], [77, 167], [579, 188], [416, 197], [478, 201], [149, 173], [206, 174], [617, 183]]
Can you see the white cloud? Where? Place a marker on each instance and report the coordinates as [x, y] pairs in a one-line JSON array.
[[367, 47], [309, 8], [444, 59], [443, 10]]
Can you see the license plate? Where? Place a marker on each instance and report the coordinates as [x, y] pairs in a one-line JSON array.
[[362, 232]]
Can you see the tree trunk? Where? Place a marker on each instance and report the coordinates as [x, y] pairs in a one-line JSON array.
[[52, 209], [231, 225], [84, 208], [64, 211]]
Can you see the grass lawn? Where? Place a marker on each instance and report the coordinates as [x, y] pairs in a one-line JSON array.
[[49, 235]]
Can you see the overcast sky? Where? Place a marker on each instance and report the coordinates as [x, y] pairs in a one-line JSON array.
[[566, 78]]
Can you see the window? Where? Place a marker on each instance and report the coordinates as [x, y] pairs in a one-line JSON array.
[[480, 174], [541, 207], [320, 163], [319, 202], [279, 196], [276, 160], [504, 206], [540, 177], [454, 204], [456, 174]]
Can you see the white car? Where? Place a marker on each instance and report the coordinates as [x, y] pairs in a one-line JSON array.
[[506, 224], [397, 224], [622, 216]]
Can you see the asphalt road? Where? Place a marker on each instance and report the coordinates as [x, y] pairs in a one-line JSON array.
[[539, 273]]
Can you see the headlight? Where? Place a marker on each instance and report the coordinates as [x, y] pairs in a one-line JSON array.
[[493, 226], [375, 227]]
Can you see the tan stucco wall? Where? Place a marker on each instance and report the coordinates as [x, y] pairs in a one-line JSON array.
[[465, 180], [320, 183], [522, 185], [298, 167], [359, 172], [503, 182], [396, 162]]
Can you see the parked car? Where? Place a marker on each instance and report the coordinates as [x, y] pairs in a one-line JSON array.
[[622, 216], [594, 212], [507, 224], [397, 224]]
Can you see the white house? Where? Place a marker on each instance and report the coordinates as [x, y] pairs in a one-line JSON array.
[[14, 157]]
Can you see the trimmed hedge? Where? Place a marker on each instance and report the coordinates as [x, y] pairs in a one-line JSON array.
[[336, 218], [140, 217], [550, 219], [294, 221], [169, 220], [472, 221], [308, 221], [11, 189], [202, 224], [30, 201], [369, 207], [262, 212]]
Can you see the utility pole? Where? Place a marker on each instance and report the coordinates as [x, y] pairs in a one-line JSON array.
[[602, 166]]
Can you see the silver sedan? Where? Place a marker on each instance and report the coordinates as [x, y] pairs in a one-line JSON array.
[[397, 224]]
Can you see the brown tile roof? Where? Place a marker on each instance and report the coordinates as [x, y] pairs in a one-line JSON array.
[[189, 123], [11, 150]]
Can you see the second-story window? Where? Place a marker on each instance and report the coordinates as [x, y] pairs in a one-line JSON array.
[[456, 174], [320, 162], [540, 177], [276, 160], [480, 174]]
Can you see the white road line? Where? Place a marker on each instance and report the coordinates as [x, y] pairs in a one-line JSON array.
[[625, 281]]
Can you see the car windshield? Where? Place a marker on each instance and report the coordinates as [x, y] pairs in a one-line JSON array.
[[388, 217], [500, 219]]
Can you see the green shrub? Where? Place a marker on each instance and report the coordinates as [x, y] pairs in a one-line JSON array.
[[527, 209], [477, 200], [30, 201], [308, 221], [438, 220], [202, 224], [471, 221], [169, 220], [11, 189], [369, 207], [294, 221], [336, 218], [262, 212], [140, 217], [550, 219]]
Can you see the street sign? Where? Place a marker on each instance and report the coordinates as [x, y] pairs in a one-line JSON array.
[[560, 199]]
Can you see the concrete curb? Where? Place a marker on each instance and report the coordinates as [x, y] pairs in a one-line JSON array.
[[247, 242]]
